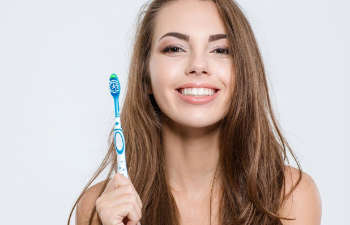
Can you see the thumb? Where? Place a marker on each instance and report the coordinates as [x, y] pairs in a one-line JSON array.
[[133, 223]]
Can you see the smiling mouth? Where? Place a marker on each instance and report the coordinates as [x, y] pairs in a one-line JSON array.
[[195, 98], [179, 90]]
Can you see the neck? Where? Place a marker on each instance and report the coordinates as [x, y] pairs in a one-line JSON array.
[[191, 158]]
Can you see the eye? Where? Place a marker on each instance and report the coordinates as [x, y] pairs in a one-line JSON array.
[[224, 51], [174, 49], [171, 49]]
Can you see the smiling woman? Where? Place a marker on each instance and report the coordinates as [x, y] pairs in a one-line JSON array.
[[190, 50], [203, 145]]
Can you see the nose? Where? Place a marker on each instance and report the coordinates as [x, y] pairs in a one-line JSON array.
[[197, 65]]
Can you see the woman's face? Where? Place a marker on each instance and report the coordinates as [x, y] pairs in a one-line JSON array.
[[193, 54]]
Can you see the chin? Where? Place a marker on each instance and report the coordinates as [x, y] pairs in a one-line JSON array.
[[192, 119], [196, 123]]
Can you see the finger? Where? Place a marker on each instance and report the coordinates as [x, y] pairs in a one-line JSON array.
[[122, 180], [129, 209], [122, 195], [119, 198], [116, 181], [112, 184], [131, 189], [138, 199], [126, 181], [133, 223], [118, 193]]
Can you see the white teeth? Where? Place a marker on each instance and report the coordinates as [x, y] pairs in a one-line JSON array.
[[197, 91]]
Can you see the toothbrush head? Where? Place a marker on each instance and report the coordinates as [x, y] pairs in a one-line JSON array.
[[114, 85]]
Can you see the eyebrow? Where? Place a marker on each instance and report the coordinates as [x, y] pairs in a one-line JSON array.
[[185, 37]]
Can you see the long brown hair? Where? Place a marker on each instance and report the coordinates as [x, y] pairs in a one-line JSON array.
[[253, 151]]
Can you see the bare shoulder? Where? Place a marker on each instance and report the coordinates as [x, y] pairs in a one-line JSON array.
[[86, 205], [304, 202]]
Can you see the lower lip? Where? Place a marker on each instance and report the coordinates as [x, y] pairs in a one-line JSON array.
[[197, 100]]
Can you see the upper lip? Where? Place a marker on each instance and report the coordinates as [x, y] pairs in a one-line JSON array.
[[198, 85]]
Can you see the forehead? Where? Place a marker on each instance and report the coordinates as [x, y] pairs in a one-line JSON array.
[[193, 17]]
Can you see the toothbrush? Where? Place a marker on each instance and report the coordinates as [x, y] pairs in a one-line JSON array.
[[119, 140]]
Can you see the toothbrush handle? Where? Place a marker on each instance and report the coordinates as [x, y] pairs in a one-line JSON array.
[[120, 147]]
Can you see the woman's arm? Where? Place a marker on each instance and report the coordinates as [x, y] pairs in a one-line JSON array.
[[304, 204]]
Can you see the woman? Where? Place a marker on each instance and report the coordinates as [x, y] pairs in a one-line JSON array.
[[202, 144]]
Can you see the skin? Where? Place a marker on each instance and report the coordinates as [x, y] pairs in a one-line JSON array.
[[190, 132]]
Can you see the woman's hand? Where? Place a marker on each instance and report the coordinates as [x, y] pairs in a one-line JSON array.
[[119, 204]]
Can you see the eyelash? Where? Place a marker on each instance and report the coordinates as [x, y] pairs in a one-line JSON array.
[[166, 49]]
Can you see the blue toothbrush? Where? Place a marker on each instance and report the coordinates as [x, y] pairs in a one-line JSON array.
[[119, 140]]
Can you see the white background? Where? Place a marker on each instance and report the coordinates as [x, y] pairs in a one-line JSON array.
[[56, 111]]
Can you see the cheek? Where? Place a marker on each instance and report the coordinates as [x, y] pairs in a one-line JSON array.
[[164, 73], [156, 70], [226, 73], [227, 77]]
